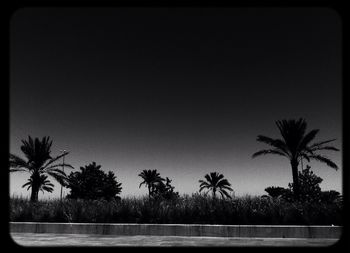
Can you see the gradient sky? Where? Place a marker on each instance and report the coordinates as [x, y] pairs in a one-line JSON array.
[[183, 91]]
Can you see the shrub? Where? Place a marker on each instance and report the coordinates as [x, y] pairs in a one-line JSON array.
[[93, 183]]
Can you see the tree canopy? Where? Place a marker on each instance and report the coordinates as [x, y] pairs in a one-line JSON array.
[[91, 182]]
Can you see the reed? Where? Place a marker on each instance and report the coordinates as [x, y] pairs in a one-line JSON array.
[[186, 209]]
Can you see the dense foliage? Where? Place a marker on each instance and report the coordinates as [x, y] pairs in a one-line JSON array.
[[91, 182], [310, 190], [194, 209], [165, 190]]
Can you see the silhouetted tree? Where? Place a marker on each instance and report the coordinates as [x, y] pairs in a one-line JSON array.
[[111, 188], [151, 179], [91, 182], [309, 184], [296, 145], [216, 182], [38, 163], [165, 190]]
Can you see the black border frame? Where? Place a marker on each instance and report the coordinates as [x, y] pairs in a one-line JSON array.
[[338, 6]]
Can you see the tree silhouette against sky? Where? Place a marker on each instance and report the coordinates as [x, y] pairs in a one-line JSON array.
[[38, 163], [91, 182], [151, 178], [215, 182], [296, 145]]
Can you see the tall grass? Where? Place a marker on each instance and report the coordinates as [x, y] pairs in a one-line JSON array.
[[189, 209]]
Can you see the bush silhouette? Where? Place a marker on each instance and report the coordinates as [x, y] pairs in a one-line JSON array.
[[275, 191], [310, 190], [93, 183]]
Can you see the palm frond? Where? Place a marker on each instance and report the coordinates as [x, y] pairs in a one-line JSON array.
[[62, 180], [269, 151], [278, 144], [325, 160], [203, 187], [325, 148], [208, 178], [46, 188], [218, 177], [293, 132], [308, 138], [37, 151], [26, 184], [305, 156], [58, 171], [17, 162], [60, 165], [225, 187], [203, 183], [224, 193], [321, 143], [55, 159], [223, 183], [18, 170]]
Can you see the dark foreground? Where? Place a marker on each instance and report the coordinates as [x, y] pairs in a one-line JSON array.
[[35, 239]]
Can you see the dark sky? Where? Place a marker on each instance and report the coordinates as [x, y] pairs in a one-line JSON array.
[[183, 91]]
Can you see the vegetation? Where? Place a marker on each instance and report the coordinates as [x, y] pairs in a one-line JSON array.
[[296, 145], [165, 190], [310, 190], [194, 209], [45, 184], [152, 180], [94, 194], [93, 183], [39, 164], [276, 191], [216, 182]]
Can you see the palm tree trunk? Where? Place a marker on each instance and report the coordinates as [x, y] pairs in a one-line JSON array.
[[296, 190], [35, 186], [149, 192], [34, 194]]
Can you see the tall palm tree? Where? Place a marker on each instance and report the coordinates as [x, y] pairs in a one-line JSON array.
[[38, 163], [296, 145], [216, 182], [151, 178]]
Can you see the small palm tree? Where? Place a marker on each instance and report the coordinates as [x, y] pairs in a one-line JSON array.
[[216, 182], [296, 145], [151, 178], [38, 163]]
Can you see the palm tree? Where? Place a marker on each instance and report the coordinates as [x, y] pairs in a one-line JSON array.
[[38, 163], [296, 145], [216, 182], [151, 178]]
